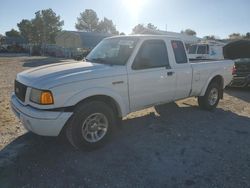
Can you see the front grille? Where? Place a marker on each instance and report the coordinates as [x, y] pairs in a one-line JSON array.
[[20, 90]]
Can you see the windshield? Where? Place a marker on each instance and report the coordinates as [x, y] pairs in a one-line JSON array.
[[192, 49], [115, 51]]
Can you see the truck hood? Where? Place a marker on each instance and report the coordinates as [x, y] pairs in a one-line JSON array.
[[48, 76]]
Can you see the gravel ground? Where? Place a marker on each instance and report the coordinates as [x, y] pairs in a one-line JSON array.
[[173, 145]]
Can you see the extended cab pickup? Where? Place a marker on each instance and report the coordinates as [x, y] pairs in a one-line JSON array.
[[120, 75]]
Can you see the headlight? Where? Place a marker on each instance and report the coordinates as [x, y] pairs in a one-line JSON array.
[[41, 97]]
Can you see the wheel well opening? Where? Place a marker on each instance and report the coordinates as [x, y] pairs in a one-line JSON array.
[[105, 99], [219, 79], [102, 98]]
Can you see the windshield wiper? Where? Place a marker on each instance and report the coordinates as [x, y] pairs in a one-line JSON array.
[[86, 59], [97, 60], [102, 61]]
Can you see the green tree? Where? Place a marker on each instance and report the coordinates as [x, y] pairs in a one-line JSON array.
[[12, 33], [142, 29], [26, 29], [47, 24], [138, 29], [189, 32], [41, 29], [247, 36], [209, 37], [107, 26], [87, 21], [151, 26], [1, 39], [235, 36]]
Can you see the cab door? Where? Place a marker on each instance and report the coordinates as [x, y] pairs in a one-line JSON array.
[[183, 70], [151, 79]]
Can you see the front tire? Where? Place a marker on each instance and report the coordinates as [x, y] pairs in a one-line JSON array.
[[91, 125], [211, 98]]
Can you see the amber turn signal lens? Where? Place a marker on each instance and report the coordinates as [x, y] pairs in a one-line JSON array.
[[46, 98]]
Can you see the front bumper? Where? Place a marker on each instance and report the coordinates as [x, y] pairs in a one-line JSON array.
[[240, 81], [41, 122]]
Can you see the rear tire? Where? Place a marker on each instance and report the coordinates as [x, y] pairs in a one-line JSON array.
[[91, 125], [211, 98]]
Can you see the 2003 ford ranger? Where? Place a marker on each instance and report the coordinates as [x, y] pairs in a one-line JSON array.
[[121, 75]]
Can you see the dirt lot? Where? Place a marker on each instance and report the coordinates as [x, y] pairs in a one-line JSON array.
[[178, 145]]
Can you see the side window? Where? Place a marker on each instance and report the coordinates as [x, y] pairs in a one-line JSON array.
[[202, 49], [179, 52], [152, 54], [192, 49]]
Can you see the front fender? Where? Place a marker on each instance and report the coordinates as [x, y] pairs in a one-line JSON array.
[[122, 102]]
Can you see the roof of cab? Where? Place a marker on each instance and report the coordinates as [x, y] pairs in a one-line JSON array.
[[142, 36]]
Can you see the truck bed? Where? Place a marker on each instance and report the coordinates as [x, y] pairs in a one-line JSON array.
[[203, 69]]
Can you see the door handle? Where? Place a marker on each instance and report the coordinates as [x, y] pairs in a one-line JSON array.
[[170, 73]]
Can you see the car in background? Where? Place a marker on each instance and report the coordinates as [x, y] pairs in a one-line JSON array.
[[206, 50], [239, 51], [241, 73]]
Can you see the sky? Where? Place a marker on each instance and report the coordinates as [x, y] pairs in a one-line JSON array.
[[210, 17]]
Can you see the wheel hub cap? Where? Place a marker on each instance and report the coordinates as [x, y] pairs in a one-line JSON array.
[[213, 96], [95, 127]]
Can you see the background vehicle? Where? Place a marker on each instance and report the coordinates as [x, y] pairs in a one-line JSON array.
[[241, 73], [206, 50], [121, 75], [239, 51]]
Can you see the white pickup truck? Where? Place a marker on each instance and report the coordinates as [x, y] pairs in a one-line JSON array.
[[121, 75]]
